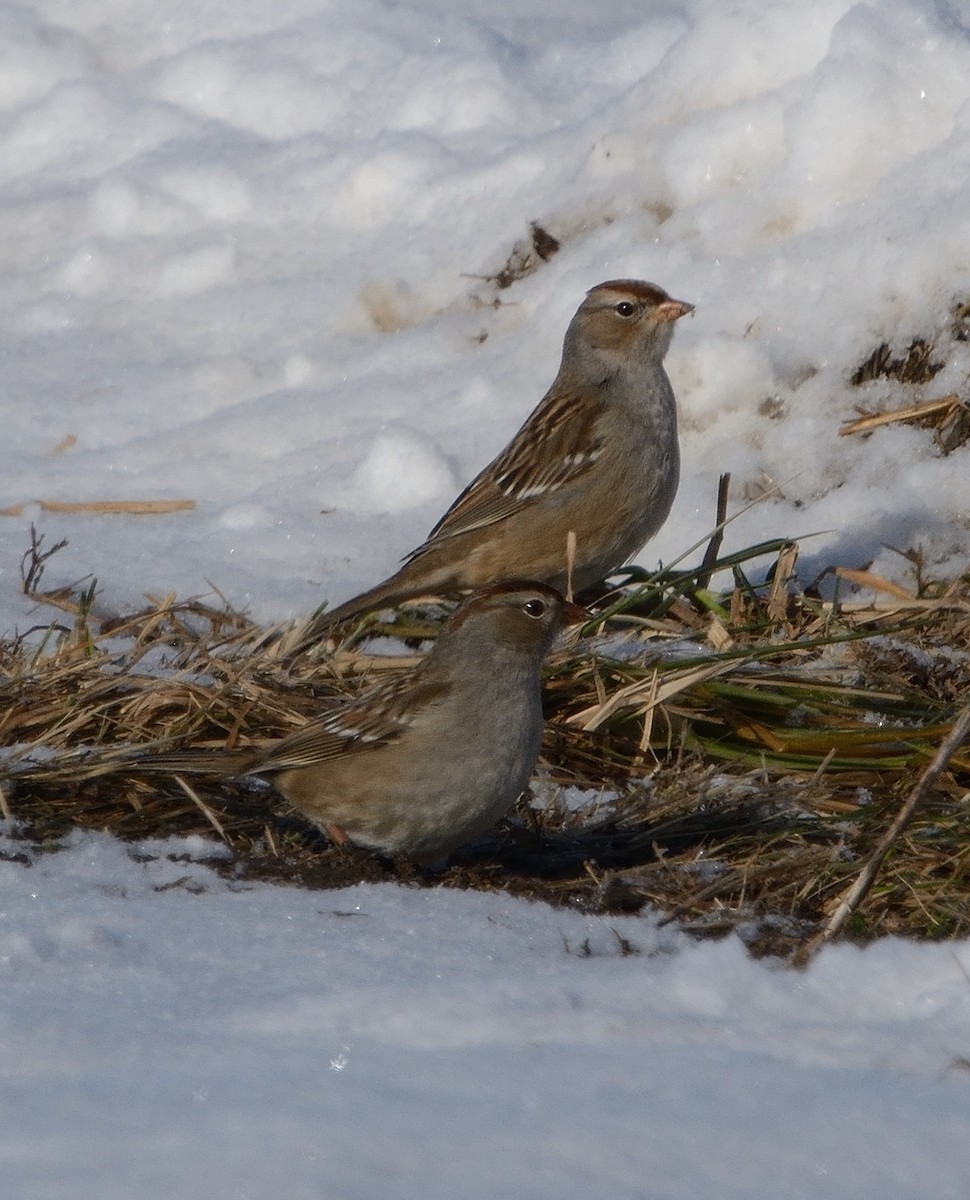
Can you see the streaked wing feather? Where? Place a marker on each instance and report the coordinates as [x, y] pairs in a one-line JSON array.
[[376, 719], [518, 476]]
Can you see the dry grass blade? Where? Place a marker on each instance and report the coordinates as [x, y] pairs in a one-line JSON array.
[[866, 579], [203, 808], [777, 603], [941, 408], [645, 694], [129, 508]]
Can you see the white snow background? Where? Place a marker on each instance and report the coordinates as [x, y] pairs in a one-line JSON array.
[[243, 249]]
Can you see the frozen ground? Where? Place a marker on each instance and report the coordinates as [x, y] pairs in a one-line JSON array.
[[243, 249]]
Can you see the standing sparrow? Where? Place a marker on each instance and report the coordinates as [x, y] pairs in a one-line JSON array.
[[596, 465], [431, 758]]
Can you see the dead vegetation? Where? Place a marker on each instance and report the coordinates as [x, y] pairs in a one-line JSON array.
[[525, 257], [948, 416], [756, 744]]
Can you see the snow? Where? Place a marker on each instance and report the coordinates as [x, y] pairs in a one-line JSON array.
[[244, 251], [245, 254], [166, 1032]]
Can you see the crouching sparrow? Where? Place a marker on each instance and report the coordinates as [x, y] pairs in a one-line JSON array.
[[430, 758], [590, 476]]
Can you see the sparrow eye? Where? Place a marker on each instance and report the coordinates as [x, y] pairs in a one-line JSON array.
[[535, 608], [625, 308]]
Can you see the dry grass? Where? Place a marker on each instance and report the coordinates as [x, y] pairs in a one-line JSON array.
[[760, 744], [947, 416]]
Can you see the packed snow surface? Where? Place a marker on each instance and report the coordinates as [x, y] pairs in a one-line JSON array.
[[166, 1033], [246, 251]]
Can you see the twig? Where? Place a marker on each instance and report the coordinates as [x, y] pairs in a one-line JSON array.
[[851, 901], [717, 537], [34, 560]]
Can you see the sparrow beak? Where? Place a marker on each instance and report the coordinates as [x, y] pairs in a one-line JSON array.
[[575, 614], [672, 310]]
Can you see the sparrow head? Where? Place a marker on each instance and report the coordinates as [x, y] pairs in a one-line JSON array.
[[520, 615], [621, 321]]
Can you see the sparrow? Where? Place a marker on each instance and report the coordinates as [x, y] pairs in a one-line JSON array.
[[590, 476], [430, 758]]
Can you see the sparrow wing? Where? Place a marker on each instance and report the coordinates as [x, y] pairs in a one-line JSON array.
[[375, 719], [530, 466]]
